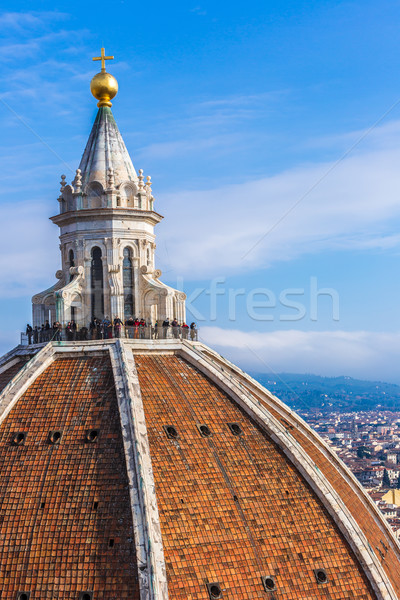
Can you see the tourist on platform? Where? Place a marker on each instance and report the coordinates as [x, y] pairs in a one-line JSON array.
[[175, 328], [185, 330], [193, 331], [93, 329], [29, 333], [69, 334], [165, 327], [98, 329], [136, 328], [129, 324], [36, 335], [117, 327], [105, 325], [57, 329], [142, 329]]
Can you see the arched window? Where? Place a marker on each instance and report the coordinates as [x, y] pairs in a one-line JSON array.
[[71, 262], [127, 273], [96, 277]]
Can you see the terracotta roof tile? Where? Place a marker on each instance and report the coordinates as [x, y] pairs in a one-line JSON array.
[[7, 375]]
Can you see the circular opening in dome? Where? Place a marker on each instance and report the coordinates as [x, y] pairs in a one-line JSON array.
[[205, 431], [86, 597], [23, 596], [269, 583], [235, 428], [321, 576], [171, 431], [92, 435], [55, 437], [19, 438], [215, 591]]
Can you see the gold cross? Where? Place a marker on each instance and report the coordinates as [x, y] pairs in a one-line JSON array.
[[103, 59]]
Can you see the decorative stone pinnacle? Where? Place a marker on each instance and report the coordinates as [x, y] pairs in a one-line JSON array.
[[78, 181], [148, 182], [110, 177], [63, 182], [141, 178]]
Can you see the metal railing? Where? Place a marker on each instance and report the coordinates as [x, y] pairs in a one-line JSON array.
[[43, 336]]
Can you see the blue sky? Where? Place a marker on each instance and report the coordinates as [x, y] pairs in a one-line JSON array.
[[272, 133]]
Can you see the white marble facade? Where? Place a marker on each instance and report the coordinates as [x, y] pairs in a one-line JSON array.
[[107, 240]]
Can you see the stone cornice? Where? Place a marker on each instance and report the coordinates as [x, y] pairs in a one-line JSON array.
[[101, 214]]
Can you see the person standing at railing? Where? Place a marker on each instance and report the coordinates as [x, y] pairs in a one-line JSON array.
[[47, 331], [136, 329], [57, 331], [175, 328], [68, 332], [117, 327], [93, 329], [155, 332], [193, 331], [142, 329], [105, 326], [129, 325], [165, 327], [29, 333], [185, 331], [36, 335]]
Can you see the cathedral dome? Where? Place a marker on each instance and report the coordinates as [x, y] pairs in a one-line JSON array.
[[156, 469]]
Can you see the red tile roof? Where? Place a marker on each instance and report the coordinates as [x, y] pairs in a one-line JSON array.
[[233, 508], [65, 517]]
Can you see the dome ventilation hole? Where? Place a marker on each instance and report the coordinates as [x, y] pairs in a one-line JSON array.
[[18, 439], [214, 590], [54, 437], [268, 583], [205, 431], [86, 596], [23, 595], [320, 575], [171, 432], [92, 435], [235, 428]]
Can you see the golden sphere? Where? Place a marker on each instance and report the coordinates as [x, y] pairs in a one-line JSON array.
[[104, 87]]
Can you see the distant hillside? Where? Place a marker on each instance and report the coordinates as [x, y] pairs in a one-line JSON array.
[[331, 393]]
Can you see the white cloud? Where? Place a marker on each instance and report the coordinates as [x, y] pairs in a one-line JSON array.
[[363, 354], [27, 20], [226, 229], [28, 250]]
